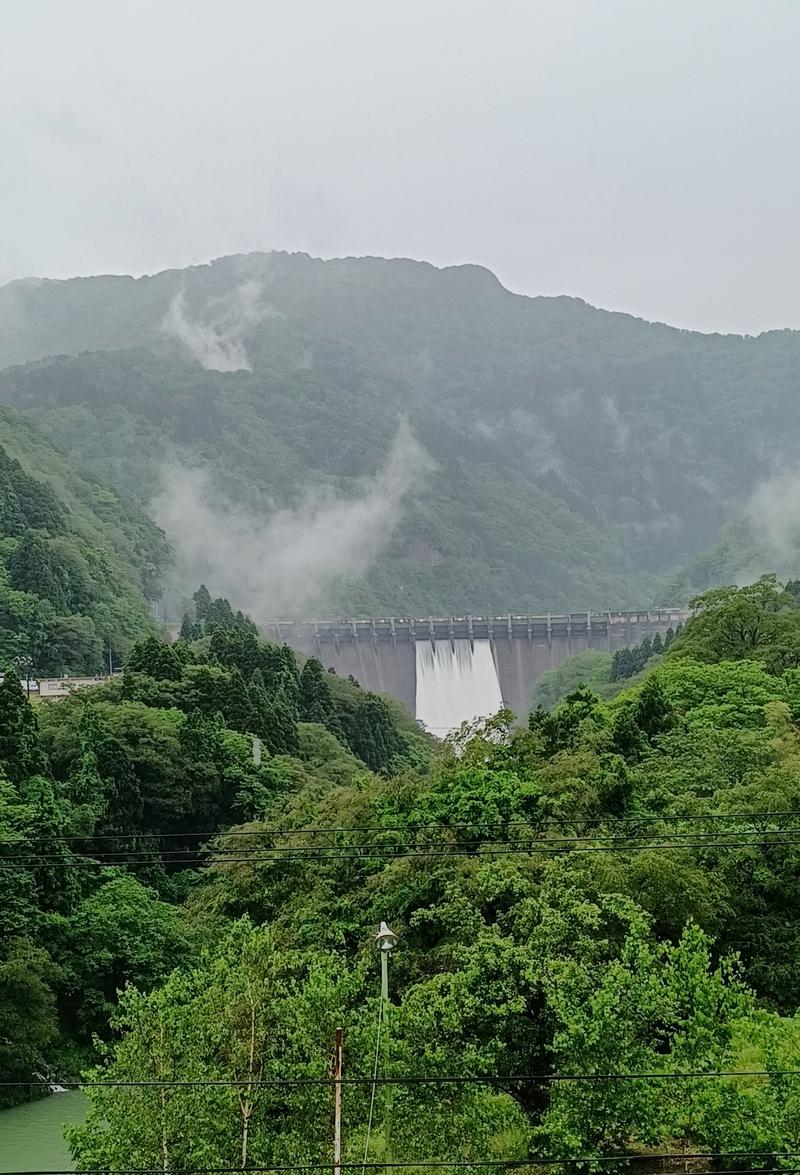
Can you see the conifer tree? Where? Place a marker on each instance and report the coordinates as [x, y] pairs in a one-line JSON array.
[[237, 648], [628, 739], [315, 698], [236, 706], [219, 614], [652, 712], [189, 630], [21, 754], [155, 659], [202, 601]]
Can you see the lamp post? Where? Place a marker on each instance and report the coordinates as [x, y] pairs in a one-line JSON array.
[[387, 941]]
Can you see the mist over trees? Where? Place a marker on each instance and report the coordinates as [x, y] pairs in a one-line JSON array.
[[579, 457]]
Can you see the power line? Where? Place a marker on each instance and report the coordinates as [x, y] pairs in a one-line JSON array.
[[544, 822], [386, 852], [533, 1160], [434, 1079], [176, 855]]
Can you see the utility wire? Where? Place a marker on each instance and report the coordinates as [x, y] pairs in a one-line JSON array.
[[717, 838], [472, 1079], [545, 822], [533, 1161], [176, 855], [385, 852]]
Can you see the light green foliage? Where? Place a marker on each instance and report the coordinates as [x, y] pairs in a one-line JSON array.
[[656, 1008], [326, 755], [592, 668], [759, 622], [246, 1012], [120, 932], [28, 1020]]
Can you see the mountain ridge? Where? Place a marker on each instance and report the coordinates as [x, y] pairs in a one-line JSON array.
[[543, 415], [33, 281]]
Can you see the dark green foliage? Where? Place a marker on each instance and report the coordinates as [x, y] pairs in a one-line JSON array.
[[642, 720], [560, 729], [202, 603], [155, 659], [26, 504], [652, 712], [35, 568], [584, 922], [280, 728], [28, 1020], [370, 732], [190, 631], [316, 700], [20, 751], [235, 648], [218, 616], [628, 662]]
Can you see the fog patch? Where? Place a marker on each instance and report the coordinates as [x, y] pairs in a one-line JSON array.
[[285, 563], [529, 432], [614, 417], [216, 339], [774, 510]]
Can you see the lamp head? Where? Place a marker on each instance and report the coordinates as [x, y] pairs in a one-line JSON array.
[[386, 938]]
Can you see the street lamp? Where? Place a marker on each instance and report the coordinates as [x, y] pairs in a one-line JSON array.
[[387, 941]]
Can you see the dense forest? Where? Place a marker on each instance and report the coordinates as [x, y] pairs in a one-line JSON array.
[[77, 562], [581, 457], [191, 739], [198, 854]]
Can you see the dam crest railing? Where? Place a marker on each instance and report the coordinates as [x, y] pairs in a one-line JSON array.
[[545, 626]]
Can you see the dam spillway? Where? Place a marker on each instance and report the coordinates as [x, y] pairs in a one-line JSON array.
[[456, 682], [489, 657]]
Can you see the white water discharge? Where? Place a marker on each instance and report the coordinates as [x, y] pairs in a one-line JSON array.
[[455, 683]]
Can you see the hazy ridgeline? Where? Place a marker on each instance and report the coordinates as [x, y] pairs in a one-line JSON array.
[[549, 453]]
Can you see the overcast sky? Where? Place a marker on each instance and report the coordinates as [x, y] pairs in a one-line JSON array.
[[642, 154]]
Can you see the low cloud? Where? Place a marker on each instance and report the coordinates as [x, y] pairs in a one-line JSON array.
[[774, 510], [216, 339], [286, 563]]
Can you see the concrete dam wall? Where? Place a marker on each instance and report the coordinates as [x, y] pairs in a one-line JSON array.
[[451, 670]]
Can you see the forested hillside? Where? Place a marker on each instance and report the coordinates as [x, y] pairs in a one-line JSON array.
[[194, 737], [77, 561], [599, 938], [581, 456]]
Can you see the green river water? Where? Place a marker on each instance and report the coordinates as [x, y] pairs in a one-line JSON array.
[[31, 1137]]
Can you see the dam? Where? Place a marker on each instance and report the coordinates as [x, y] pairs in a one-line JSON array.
[[452, 670]]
